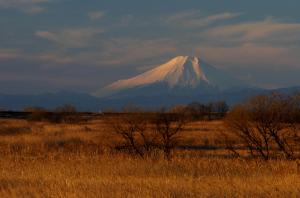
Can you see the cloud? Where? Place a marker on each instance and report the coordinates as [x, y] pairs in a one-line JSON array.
[[6, 54], [251, 55], [266, 43], [27, 6], [241, 44], [115, 52], [193, 18], [267, 31], [71, 38], [18, 54], [96, 15], [46, 35], [129, 50], [61, 59]]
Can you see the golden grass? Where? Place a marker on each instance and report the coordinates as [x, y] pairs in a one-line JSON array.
[[31, 167], [121, 176]]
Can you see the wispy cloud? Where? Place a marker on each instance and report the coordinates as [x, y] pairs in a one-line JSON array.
[[265, 43], [56, 58], [94, 15], [9, 54], [250, 54], [27, 6], [130, 50], [267, 31], [71, 38], [116, 52], [251, 43], [194, 18]]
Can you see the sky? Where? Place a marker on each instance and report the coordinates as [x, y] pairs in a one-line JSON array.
[[75, 45]]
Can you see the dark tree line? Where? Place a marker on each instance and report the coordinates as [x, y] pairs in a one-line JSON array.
[[209, 111], [62, 114]]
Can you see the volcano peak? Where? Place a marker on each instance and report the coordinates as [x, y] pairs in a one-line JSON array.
[[184, 72]]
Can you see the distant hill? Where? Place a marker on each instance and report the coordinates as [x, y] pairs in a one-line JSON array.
[[86, 102], [83, 102]]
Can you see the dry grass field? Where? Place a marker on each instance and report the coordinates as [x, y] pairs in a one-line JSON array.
[[39, 159]]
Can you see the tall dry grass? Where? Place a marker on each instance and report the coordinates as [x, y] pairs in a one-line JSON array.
[[75, 160], [122, 176]]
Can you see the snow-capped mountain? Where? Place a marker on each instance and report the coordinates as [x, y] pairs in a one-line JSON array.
[[181, 75], [181, 80]]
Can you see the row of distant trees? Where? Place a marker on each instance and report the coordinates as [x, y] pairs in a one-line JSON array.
[[62, 114], [61, 109], [200, 111]]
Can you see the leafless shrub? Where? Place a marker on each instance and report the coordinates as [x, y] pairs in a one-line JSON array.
[[132, 128], [256, 140], [221, 107], [168, 126], [144, 133], [66, 114], [264, 122], [37, 113]]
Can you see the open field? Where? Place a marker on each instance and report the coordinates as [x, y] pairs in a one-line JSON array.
[[40, 159]]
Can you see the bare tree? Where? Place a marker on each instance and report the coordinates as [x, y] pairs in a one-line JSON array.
[[142, 132], [132, 128], [221, 108], [275, 114], [168, 126], [37, 113], [263, 122], [254, 139]]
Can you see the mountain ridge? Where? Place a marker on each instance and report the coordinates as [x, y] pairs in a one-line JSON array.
[[180, 73], [87, 102]]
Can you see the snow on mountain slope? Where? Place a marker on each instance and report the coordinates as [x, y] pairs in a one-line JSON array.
[[180, 72]]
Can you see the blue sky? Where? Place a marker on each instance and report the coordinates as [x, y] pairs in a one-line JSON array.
[[51, 45]]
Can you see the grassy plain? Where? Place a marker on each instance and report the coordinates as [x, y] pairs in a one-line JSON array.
[[39, 159]]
